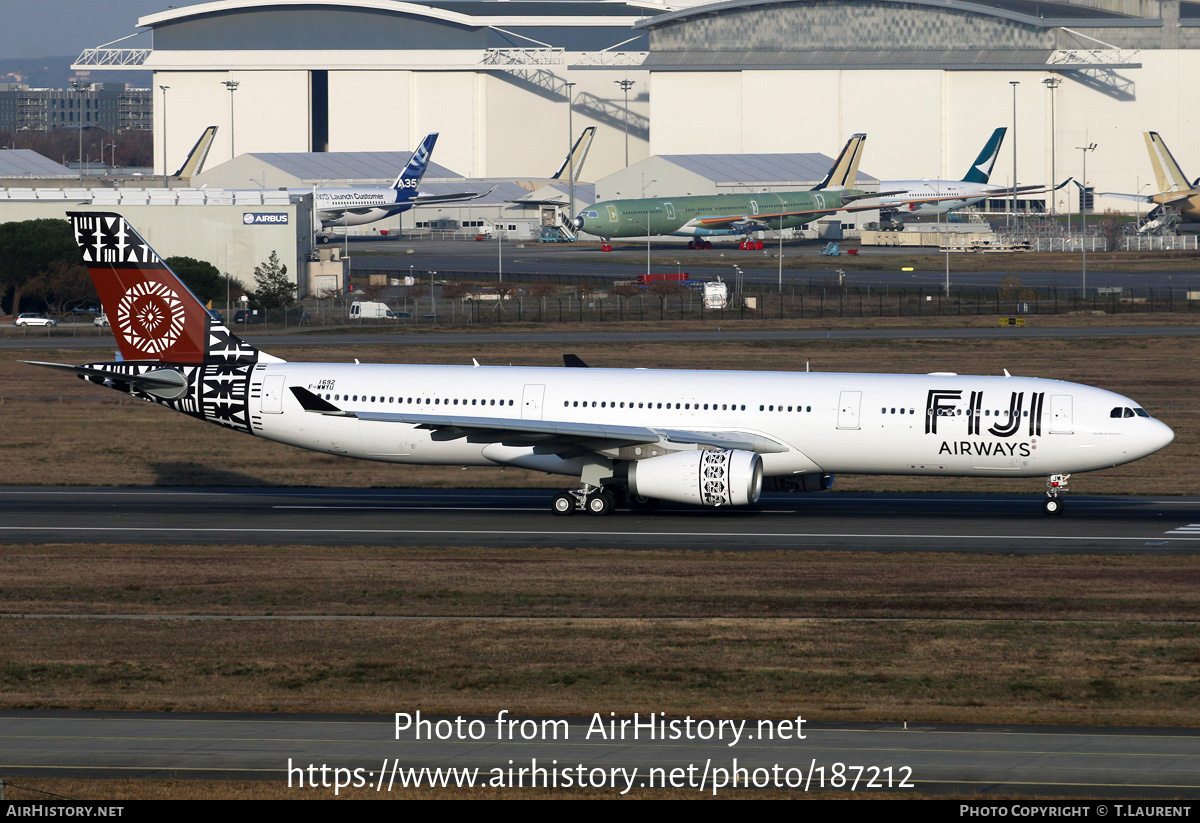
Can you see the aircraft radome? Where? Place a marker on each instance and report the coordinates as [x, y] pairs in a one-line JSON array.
[[712, 438]]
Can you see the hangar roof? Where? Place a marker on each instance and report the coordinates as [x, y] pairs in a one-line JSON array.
[[317, 167], [757, 169], [1033, 12], [28, 163]]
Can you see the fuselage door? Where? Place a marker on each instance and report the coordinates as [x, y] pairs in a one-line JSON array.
[[848, 409], [612, 214], [1060, 414], [670, 211], [272, 394], [531, 402], [754, 207]]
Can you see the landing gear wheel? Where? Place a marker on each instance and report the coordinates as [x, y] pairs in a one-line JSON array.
[[564, 504], [601, 503], [1052, 505]]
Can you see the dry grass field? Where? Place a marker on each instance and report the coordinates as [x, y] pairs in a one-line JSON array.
[[836, 636]]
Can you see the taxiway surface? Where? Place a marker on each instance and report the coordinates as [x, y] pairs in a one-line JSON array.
[[522, 518], [1008, 760]]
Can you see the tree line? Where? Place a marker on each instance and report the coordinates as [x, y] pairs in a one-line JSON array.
[[40, 267]]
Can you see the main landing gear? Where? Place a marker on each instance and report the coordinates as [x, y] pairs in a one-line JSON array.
[[699, 244], [1055, 485], [599, 501]]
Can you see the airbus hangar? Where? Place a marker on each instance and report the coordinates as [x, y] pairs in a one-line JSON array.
[[505, 82], [928, 80]]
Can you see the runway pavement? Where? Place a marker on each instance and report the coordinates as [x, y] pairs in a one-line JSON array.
[[522, 518], [697, 757]]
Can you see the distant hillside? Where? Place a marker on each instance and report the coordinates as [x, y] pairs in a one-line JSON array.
[[55, 73]]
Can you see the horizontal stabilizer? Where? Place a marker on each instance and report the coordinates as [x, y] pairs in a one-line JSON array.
[[165, 383]]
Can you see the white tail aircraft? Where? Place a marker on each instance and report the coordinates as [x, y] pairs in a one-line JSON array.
[[712, 438], [357, 206]]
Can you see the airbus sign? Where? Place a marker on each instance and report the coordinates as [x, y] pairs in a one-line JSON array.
[[257, 218]]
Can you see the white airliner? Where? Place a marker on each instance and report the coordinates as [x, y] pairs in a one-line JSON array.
[[927, 198], [711, 438], [356, 206]]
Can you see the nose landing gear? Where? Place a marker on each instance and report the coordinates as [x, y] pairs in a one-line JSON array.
[[1055, 485]]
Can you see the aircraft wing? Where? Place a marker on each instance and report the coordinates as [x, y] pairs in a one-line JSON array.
[[1165, 198], [747, 220], [1139, 198], [991, 194], [454, 197], [555, 437]]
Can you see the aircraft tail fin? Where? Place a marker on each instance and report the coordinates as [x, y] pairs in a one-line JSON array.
[[845, 169], [196, 157], [415, 170], [981, 169], [578, 153], [153, 314], [1170, 177]]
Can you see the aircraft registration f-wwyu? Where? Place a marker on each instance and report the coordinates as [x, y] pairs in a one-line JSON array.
[[701, 216], [710, 438]]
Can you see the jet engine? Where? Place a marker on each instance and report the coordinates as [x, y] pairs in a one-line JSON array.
[[708, 477]]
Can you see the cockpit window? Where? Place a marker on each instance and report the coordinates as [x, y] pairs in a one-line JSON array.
[[1141, 412], [1115, 412]]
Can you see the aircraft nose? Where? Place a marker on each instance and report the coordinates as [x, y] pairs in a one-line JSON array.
[[1161, 436]]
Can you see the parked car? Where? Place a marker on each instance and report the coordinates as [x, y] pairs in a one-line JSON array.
[[32, 319], [246, 316], [100, 320]]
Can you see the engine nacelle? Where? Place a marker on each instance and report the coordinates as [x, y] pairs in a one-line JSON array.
[[707, 477]]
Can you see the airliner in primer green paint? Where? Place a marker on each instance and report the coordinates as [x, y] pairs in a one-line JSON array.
[[725, 214]]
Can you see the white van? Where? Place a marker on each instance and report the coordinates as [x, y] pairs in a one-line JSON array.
[[369, 310]]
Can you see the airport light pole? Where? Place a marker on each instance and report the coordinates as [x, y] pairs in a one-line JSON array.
[[232, 86], [626, 85], [1052, 83], [80, 87], [1014, 84], [1083, 210], [570, 153], [164, 142]]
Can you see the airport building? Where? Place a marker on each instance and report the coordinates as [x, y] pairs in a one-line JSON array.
[[927, 80], [109, 106], [505, 83]]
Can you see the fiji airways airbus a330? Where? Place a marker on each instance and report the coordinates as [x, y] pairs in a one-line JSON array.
[[712, 438]]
